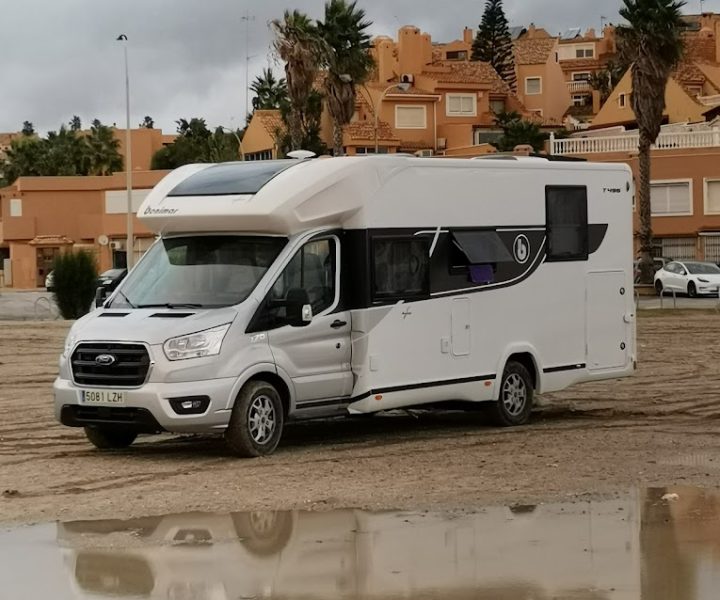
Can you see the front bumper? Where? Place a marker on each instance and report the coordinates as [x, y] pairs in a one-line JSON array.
[[708, 289], [148, 408]]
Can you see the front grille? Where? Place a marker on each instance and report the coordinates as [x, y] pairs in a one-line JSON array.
[[128, 368]]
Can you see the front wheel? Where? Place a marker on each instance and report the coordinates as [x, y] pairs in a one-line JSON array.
[[515, 401], [256, 422], [110, 438], [692, 290], [659, 287]]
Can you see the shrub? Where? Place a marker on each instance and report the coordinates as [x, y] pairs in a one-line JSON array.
[[75, 281]]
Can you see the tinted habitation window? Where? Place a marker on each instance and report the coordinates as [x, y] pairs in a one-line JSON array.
[[228, 179], [567, 222]]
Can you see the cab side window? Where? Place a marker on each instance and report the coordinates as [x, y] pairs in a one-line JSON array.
[[312, 271]]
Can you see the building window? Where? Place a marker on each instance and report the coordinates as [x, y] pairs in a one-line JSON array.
[[583, 76], [567, 222], [461, 105], [712, 196], [456, 55], [497, 106], [16, 207], [584, 52], [533, 86], [581, 100], [410, 117], [623, 100], [371, 150], [670, 198], [400, 268], [264, 155]]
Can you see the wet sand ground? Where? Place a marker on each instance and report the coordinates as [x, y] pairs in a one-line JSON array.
[[659, 428]]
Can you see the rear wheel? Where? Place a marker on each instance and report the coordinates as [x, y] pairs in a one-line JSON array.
[[110, 438], [515, 401], [256, 422], [692, 290]]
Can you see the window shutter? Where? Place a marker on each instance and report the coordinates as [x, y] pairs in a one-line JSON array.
[[712, 200], [410, 117]]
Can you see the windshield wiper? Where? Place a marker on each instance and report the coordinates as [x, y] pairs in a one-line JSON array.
[[171, 305], [130, 304]]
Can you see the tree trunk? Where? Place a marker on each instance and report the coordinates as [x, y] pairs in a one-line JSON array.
[[643, 198], [295, 127], [337, 139]]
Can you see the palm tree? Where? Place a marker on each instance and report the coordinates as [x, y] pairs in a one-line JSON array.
[[298, 45], [269, 92], [103, 150], [652, 40], [347, 59]]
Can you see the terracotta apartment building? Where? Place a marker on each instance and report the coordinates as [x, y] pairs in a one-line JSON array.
[[449, 105], [42, 216], [685, 194]]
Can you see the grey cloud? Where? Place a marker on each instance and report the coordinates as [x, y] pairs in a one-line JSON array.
[[187, 58]]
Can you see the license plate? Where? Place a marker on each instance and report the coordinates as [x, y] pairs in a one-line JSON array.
[[110, 397]]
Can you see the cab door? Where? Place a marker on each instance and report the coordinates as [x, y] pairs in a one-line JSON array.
[[316, 356]]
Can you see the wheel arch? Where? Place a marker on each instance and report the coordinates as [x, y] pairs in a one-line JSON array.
[[273, 375], [527, 356]]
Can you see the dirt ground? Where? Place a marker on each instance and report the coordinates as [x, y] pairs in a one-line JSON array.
[[655, 429]]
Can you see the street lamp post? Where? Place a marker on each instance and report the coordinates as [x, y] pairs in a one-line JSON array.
[[237, 137], [128, 160], [403, 87]]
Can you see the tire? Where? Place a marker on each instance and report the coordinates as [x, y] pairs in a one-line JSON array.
[[257, 408], [658, 287], [515, 398], [692, 290], [109, 438], [263, 533]]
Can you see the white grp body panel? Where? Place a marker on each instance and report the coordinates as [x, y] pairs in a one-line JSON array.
[[369, 192]]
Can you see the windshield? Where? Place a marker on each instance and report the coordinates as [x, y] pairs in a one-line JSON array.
[[702, 268], [198, 272]]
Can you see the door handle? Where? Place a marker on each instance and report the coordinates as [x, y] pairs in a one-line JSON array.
[[337, 324]]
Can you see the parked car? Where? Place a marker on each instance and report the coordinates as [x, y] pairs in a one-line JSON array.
[[107, 282], [688, 277], [111, 279], [658, 263], [50, 281]]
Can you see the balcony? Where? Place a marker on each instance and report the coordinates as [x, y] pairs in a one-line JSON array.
[[708, 138], [580, 86]]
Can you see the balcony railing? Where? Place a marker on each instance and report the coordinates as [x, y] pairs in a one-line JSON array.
[[575, 87], [709, 138]]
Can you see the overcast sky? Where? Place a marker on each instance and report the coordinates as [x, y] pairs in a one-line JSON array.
[[187, 58]]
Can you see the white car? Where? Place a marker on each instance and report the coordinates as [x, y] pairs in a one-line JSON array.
[[692, 278]]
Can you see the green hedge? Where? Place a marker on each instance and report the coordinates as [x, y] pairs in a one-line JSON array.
[[75, 281]]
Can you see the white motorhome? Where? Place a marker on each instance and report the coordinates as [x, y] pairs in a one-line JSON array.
[[295, 289]]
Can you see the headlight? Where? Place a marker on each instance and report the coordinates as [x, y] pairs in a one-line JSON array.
[[69, 343], [701, 280], [196, 345]]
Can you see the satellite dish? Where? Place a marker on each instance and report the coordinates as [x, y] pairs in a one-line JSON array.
[[103, 240]]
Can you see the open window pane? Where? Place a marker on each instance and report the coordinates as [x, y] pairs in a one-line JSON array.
[[481, 247]]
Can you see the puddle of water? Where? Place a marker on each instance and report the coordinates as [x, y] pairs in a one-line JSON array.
[[640, 547]]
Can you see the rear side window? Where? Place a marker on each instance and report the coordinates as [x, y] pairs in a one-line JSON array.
[[400, 268], [567, 223]]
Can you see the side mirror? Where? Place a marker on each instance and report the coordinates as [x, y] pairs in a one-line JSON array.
[[100, 296], [298, 308]]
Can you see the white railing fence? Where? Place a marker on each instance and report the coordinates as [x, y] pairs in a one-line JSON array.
[[628, 142]]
